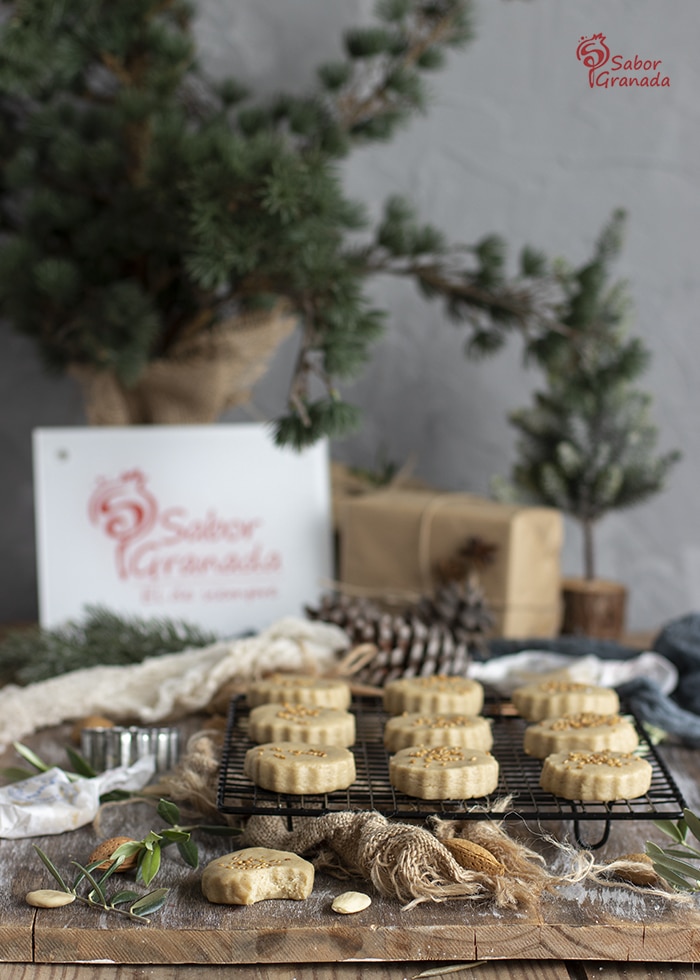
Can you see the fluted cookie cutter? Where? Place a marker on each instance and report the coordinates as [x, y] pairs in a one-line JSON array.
[[109, 748]]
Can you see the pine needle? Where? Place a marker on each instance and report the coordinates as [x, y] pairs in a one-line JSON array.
[[102, 638]]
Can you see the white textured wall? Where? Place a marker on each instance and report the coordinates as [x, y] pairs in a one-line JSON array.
[[515, 142]]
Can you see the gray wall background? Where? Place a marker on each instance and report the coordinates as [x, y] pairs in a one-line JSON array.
[[516, 143]]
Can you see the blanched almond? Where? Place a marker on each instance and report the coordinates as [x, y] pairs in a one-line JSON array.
[[49, 898], [350, 902]]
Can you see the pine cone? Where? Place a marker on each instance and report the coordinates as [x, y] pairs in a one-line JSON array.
[[407, 646], [463, 610]]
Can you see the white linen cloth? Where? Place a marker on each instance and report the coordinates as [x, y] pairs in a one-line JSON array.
[[514, 670], [170, 686]]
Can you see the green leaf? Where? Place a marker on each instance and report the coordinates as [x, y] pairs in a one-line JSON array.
[[667, 863], [151, 902], [122, 897], [113, 866], [15, 775], [128, 848], [52, 868], [189, 853], [116, 794], [31, 757], [683, 852], [675, 880], [175, 836], [87, 873], [692, 821], [169, 812], [81, 765], [673, 830], [149, 864], [219, 830]]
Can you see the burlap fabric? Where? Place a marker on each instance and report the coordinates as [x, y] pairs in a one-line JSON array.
[[403, 861], [202, 377]]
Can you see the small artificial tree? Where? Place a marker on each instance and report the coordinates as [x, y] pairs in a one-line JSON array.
[[148, 216], [587, 445]]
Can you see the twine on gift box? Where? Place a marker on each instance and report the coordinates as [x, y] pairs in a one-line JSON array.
[[425, 531]]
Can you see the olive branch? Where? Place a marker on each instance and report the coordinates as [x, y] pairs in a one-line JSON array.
[[148, 853], [672, 863]]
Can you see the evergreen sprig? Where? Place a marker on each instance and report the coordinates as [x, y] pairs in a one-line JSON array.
[[102, 637], [141, 204]]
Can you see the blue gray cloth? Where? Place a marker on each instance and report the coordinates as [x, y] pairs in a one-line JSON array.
[[678, 714]]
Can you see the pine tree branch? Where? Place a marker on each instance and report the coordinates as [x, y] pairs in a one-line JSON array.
[[521, 304], [354, 108]]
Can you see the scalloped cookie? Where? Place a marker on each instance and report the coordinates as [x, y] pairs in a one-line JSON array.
[[586, 731], [301, 723], [596, 775], [552, 699], [255, 874], [297, 767], [280, 688], [443, 772], [435, 694], [413, 728]]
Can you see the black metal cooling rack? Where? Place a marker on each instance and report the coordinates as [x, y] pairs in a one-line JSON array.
[[518, 778]]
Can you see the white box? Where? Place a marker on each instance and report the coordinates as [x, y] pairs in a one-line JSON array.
[[211, 524]]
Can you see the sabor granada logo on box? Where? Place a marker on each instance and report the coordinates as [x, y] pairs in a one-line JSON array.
[[154, 544], [618, 70]]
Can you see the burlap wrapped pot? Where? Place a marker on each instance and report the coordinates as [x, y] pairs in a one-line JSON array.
[[201, 377]]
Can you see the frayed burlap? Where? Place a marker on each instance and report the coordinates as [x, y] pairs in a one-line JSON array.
[[635, 874], [203, 376], [406, 861], [526, 877], [193, 782]]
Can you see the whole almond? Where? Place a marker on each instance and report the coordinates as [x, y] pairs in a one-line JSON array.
[[49, 898], [640, 870], [104, 851], [91, 721], [350, 902], [473, 856]]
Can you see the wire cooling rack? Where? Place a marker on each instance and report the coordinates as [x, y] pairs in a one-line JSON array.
[[518, 779]]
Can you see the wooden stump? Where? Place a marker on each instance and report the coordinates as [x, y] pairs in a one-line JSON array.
[[594, 607]]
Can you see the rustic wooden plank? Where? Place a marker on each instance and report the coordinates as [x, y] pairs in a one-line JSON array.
[[16, 917], [503, 970], [632, 971], [577, 924], [192, 931]]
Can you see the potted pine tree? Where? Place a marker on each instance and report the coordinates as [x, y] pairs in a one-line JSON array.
[[587, 445], [160, 233]]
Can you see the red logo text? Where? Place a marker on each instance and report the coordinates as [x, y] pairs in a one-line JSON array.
[[153, 544], [606, 70]]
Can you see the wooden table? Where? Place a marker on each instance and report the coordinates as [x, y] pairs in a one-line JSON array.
[[578, 933]]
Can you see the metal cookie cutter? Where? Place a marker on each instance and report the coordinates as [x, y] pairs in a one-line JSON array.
[[108, 748]]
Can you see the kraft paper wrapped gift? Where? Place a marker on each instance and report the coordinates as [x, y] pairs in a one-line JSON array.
[[392, 540]]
